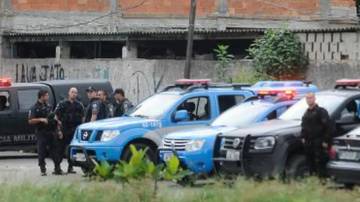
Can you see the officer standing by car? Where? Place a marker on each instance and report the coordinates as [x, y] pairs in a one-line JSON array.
[[105, 104], [316, 132], [121, 104], [70, 112], [92, 112], [47, 132]]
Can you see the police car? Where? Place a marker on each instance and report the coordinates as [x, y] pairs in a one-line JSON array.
[[344, 165], [194, 147], [187, 104], [273, 148], [17, 98]]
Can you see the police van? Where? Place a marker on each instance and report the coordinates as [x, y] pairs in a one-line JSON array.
[[17, 98]]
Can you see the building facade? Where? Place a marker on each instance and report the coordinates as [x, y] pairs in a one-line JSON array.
[[140, 44]]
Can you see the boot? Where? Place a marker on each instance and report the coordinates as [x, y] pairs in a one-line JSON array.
[[71, 170], [43, 171]]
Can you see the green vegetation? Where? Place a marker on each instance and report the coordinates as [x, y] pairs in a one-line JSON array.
[[224, 62], [140, 167], [278, 54], [241, 190]]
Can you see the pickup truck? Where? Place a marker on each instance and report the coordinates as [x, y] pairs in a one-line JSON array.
[[16, 100]]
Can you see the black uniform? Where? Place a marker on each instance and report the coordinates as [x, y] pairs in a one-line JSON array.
[[120, 108], [70, 114], [317, 128], [97, 107], [46, 134]]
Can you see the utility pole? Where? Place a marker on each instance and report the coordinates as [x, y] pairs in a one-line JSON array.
[[190, 40]]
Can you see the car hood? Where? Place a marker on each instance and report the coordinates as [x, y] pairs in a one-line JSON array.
[[200, 132], [122, 123], [273, 127]]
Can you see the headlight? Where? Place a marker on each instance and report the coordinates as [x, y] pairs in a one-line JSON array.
[[194, 145], [264, 143], [109, 134]]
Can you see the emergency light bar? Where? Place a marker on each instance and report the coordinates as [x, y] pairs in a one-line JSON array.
[[347, 83], [289, 94], [5, 82], [193, 81]]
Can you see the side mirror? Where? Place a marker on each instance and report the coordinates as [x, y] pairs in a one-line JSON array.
[[181, 115]]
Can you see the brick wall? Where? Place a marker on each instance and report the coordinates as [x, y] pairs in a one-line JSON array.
[[166, 7], [61, 5], [273, 8], [343, 3]]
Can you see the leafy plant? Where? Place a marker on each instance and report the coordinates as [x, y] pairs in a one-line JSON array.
[[278, 54], [173, 170], [138, 166], [224, 61], [103, 170]]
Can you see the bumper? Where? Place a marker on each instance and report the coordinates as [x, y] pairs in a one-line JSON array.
[[199, 162], [98, 153], [263, 165], [345, 172]]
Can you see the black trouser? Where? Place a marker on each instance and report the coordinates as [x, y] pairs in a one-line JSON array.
[[68, 136], [317, 158], [47, 143]]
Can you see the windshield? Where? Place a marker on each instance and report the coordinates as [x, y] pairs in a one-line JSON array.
[[155, 106], [329, 102], [241, 115]]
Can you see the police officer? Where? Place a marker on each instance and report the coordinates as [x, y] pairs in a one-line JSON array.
[[47, 133], [121, 104], [70, 112], [94, 111], [105, 104], [317, 129]]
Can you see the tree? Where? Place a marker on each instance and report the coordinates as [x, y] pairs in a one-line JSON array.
[[278, 54]]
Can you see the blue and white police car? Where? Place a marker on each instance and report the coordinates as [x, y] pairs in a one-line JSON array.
[[194, 147], [187, 104]]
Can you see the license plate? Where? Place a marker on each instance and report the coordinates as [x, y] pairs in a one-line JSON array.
[[348, 155], [167, 156], [232, 155], [79, 157]]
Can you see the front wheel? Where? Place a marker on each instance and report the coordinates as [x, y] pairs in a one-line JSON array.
[[297, 167], [150, 153]]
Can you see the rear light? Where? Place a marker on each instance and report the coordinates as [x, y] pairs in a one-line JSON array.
[[332, 153], [193, 81], [5, 82]]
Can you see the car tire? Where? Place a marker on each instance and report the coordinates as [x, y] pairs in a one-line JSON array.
[[151, 154], [297, 167]]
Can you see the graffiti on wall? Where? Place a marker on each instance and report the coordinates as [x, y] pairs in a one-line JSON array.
[[32, 73]]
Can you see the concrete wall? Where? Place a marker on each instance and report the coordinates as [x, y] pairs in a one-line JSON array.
[[140, 78]]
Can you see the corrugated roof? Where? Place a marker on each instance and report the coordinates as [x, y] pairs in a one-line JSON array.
[[179, 31]]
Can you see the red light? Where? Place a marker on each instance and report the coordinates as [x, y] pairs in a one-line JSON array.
[[348, 82], [332, 153], [193, 81], [289, 94], [5, 82]]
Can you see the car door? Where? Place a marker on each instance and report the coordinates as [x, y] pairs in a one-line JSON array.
[[348, 117], [26, 98], [7, 117]]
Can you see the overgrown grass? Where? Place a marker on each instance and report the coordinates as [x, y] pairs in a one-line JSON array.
[[241, 190]]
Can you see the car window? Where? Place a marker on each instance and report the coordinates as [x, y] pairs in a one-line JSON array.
[[4, 101], [198, 108], [155, 106], [242, 115], [329, 102], [228, 101], [350, 113], [27, 98]]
